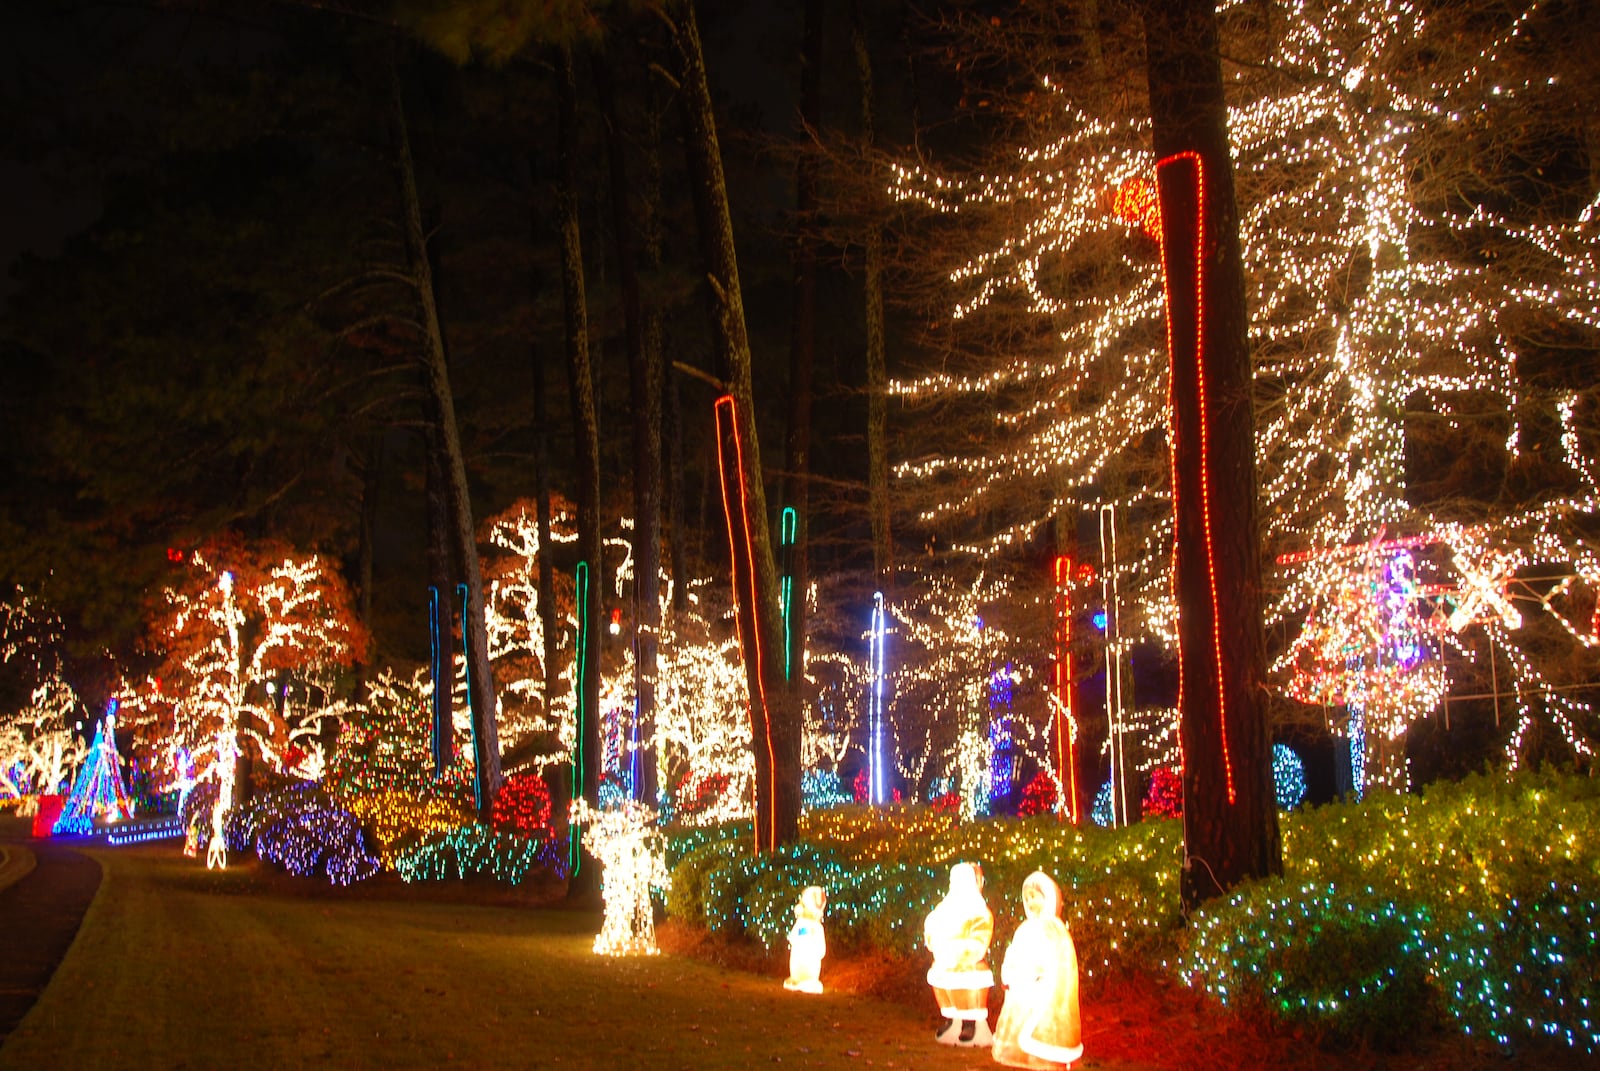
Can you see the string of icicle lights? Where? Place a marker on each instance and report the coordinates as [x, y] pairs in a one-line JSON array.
[[1368, 300]]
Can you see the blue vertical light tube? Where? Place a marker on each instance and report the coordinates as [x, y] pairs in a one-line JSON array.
[[579, 678], [878, 776], [472, 724]]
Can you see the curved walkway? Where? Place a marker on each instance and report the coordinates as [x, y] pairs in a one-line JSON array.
[[39, 917]]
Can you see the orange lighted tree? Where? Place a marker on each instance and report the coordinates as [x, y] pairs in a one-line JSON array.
[[254, 641]]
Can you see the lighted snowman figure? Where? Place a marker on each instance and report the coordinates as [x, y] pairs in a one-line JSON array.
[[807, 942]]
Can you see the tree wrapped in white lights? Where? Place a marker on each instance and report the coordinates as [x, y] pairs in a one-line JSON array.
[[1403, 271], [38, 748], [517, 643], [255, 641], [701, 734]]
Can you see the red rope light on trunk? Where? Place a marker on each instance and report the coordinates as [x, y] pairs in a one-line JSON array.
[[1198, 168], [726, 406], [1066, 747]]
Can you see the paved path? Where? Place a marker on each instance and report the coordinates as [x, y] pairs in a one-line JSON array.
[[39, 917]]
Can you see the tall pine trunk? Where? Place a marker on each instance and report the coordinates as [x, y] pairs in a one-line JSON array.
[[775, 713], [586, 768], [802, 352], [541, 509], [877, 358], [643, 337], [442, 602], [1230, 817], [482, 696]]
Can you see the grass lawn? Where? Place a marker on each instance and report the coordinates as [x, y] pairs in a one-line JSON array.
[[178, 967]]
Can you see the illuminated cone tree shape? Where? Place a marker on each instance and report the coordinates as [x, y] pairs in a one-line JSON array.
[[99, 792]]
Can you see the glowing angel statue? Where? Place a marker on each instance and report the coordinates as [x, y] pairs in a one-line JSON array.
[[628, 843]]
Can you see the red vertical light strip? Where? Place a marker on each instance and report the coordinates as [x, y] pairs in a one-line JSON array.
[[1198, 168], [1066, 746], [726, 406]]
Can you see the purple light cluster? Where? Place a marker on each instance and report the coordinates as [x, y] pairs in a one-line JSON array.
[[305, 833]]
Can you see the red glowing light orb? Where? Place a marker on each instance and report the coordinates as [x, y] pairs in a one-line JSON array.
[[1137, 202]]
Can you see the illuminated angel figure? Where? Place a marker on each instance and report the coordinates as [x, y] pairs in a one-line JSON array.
[[958, 932], [628, 844], [807, 942], [1039, 1025]]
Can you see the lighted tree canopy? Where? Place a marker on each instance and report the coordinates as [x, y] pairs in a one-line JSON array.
[[1421, 252]]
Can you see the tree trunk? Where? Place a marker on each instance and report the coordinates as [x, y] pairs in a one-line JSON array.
[[677, 510], [371, 483], [795, 533], [877, 361], [644, 395], [586, 768], [775, 712], [441, 606], [1230, 816], [481, 694], [547, 566]]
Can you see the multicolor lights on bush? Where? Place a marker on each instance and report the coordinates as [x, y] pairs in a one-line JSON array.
[[472, 851], [305, 832]]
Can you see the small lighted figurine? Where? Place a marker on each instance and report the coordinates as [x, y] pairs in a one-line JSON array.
[[958, 932], [1039, 1025], [807, 943]]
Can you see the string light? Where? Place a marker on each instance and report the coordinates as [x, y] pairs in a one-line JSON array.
[[1369, 299]]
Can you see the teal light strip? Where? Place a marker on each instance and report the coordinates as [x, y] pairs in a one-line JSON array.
[[579, 675], [788, 525]]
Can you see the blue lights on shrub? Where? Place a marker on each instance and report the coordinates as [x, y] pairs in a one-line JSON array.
[[1288, 777]]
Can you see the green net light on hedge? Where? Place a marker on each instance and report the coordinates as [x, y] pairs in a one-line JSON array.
[[807, 942]]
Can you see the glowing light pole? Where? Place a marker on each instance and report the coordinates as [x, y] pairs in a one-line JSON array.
[[582, 713], [1111, 623], [1066, 709], [877, 752]]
